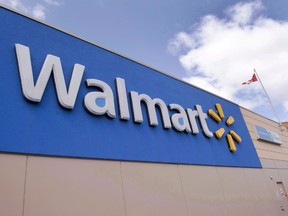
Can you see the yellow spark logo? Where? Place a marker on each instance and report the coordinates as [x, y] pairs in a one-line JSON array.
[[232, 135]]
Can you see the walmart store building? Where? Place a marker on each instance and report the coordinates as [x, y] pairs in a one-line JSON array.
[[85, 131]]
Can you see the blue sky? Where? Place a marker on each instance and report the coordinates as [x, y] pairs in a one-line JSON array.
[[214, 45]]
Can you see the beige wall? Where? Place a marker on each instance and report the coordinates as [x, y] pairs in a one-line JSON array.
[[285, 124], [50, 186], [264, 149], [33, 186]]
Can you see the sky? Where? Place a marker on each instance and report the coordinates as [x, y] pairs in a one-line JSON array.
[[214, 45]]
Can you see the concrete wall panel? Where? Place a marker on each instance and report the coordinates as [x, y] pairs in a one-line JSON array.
[[203, 192], [57, 186], [152, 189], [281, 164], [260, 193], [236, 191], [272, 177], [12, 179], [266, 163]]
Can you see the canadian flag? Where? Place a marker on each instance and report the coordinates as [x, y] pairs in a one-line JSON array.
[[253, 79]]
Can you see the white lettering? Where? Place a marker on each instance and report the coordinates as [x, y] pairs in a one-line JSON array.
[[122, 99], [150, 104], [203, 117], [192, 114], [101, 102], [90, 99], [52, 64], [180, 120]]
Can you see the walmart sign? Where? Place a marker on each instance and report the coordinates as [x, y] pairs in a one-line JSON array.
[[62, 96]]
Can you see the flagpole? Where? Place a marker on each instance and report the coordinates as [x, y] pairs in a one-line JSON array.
[[280, 125]]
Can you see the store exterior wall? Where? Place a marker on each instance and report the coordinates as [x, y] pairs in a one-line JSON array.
[[34, 185], [63, 184], [274, 158], [285, 124]]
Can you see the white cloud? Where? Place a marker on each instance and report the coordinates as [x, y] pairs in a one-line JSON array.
[[219, 54], [16, 4], [286, 105], [52, 2], [243, 13], [181, 41], [38, 11]]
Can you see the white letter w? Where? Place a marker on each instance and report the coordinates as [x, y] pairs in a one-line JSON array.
[[52, 64]]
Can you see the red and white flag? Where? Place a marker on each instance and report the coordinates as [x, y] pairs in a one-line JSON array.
[[253, 79]]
